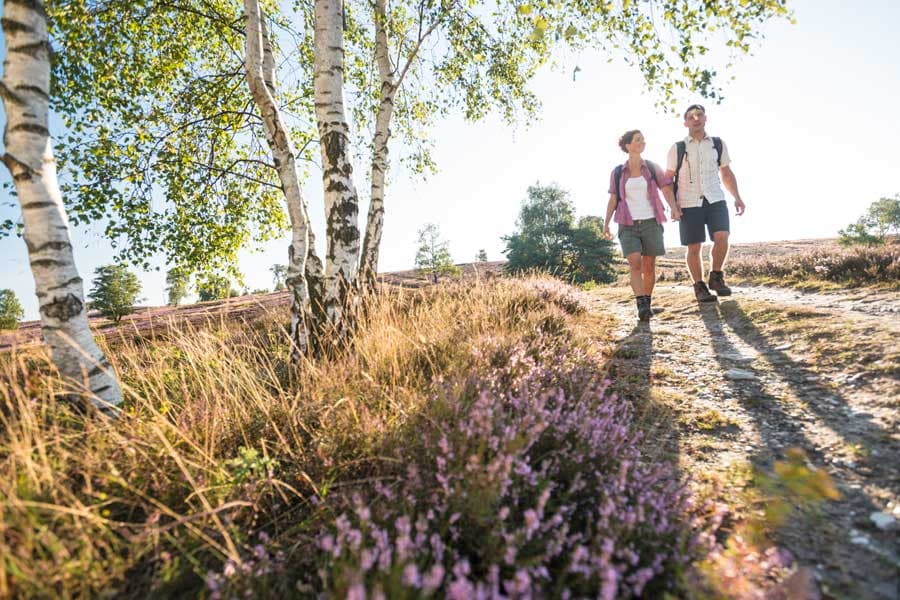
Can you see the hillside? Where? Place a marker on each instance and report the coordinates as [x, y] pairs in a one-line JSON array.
[[153, 321], [156, 320]]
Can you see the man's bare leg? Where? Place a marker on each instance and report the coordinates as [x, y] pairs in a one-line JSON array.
[[695, 261], [719, 254], [719, 250]]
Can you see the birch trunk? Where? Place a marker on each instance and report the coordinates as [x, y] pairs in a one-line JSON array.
[[260, 68], [25, 89], [375, 218], [341, 202], [315, 279]]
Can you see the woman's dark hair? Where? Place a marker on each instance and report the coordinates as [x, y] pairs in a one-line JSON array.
[[626, 139]]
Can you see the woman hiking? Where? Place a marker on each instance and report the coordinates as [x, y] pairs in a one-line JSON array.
[[634, 202]]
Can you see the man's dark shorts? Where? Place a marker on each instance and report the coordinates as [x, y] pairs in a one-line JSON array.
[[714, 217]]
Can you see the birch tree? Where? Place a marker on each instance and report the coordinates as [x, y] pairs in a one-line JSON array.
[[390, 79], [341, 201], [25, 88], [260, 67]]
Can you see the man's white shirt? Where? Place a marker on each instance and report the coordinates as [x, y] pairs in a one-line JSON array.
[[699, 175]]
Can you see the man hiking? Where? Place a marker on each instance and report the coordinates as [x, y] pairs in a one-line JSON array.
[[694, 165]]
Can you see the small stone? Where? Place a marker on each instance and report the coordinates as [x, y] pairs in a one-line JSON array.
[[735, 357], [740, 375], [883, 521], [784, 347], [859, 540]]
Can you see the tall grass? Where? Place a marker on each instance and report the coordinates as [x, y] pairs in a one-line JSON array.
[[462, 445]]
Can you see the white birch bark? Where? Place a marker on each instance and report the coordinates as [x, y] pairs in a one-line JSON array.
[[260, 68], [25, 89], [390, 83], [375, 218], [341, 202]]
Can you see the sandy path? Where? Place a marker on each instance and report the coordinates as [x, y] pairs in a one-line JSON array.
[[739, 391]]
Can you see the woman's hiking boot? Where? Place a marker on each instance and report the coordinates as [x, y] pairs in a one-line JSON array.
[[702, 293], [717, 283], [643, 306]]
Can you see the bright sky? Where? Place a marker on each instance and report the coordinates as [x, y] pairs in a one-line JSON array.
[[810, 122]]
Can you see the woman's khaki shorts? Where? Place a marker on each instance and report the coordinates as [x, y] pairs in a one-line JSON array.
[[645, 237]]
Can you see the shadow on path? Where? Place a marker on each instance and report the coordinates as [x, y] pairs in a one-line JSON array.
[[825, 542], [632, 374], [855, 427]]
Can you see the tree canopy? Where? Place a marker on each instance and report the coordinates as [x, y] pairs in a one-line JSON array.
[[11, 311], [215, 286], [115, 291], [433, 253], [549, 238], [177, 284], [881, 220]]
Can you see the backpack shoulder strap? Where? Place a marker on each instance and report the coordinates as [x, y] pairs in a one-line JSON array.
[[653, 169], [680, 151], [717, 144], [618, 179]]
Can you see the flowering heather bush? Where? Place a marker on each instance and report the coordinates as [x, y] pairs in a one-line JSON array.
[[857, 266], [531, 484]]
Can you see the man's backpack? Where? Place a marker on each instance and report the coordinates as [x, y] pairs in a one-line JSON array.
[[681, 150], [618, 177]]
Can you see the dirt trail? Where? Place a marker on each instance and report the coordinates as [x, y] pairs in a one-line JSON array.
[[739, 382]]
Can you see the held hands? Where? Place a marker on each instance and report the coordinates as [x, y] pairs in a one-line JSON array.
[[606, 232], [739, 206], [676, 213]]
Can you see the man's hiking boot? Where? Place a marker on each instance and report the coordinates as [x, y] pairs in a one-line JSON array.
[[702, 293], [717, 283], [643, 305]]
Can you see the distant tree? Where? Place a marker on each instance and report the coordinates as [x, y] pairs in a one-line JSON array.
[[177, 284], [433, 255], [11, 311], [481, 256], [215, 287], [544, 227], [279, 275], [548, 238], [873, 228], [115, 291]]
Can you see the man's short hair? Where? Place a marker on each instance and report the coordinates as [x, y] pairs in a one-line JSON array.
[[692, 107]]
